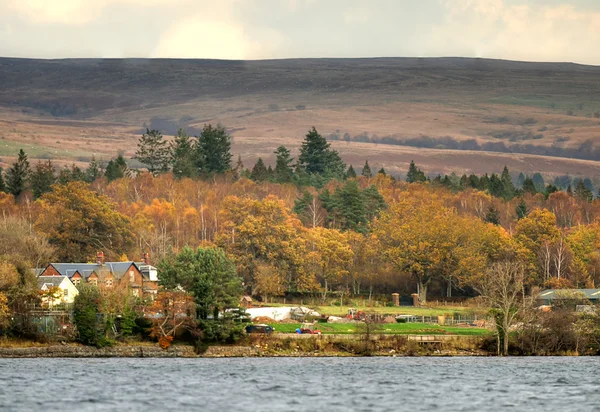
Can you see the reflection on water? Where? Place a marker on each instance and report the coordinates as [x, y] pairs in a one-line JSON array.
[[299, 384]]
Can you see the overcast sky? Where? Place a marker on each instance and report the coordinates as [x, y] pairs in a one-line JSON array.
[[540, 30]]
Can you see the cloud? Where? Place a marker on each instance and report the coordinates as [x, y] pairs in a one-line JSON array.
[[495, 28], [70, 12]]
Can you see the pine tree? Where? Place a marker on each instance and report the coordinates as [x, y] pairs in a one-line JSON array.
[[582, 192], [474, 181], [72, 174], [116, 169], [316, 156], [17, 176], [569, 190], [493, 215], [42, 178], [366, 171], [349, 204], [153, 151], [374, 202], [213, 151], [259, 171], [182, 156], [2, 184], [529, 186], [382, 172], [238, 170], [415, 175], [270, 173], [283, 165], [538, 182], [93, 171], [350, 173], [508, 188], [521, 210]]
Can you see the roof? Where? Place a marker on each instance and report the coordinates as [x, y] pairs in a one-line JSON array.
[[553, 294], [50, 281], [118, 269]]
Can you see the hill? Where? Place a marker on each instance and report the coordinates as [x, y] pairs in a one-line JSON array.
[[448, 113]]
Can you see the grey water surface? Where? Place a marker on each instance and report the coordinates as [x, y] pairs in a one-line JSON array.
[[301, 384]]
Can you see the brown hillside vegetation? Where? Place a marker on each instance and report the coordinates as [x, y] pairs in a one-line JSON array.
[[69, 110]]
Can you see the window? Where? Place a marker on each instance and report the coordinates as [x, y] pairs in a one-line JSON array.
[[76, 281], [135, 292], [66, 292], [131, 276], [109, 283], [94, 282]]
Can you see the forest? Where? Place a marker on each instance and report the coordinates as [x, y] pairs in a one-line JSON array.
[[309, 225]]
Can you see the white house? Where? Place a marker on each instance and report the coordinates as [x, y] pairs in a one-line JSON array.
[[56, 290]]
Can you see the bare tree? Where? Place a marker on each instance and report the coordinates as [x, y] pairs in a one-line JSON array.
[[502, 288]]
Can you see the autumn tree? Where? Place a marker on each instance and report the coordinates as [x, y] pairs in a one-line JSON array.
[[42, 178], [309, 209], [329, 256], [173, 311], [207, 274], [257, 233], [153, 151], [79, 222], [213, 151], [418, 236], [17, 176], [503, 290]]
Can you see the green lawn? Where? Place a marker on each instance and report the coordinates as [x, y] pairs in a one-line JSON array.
[[391, 328], [400, 310]]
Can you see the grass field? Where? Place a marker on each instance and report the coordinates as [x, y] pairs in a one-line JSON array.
[[400, 310], [392, 329]]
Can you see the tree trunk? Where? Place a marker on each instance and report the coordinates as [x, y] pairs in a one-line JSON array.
[[422, 286], [505, 335], [449, 289]]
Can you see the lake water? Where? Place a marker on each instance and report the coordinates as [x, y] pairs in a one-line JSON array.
[[300, 384]]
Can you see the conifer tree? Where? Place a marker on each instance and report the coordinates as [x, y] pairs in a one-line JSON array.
[[116, 169], [213, 151], [238, 170], [582, 192], [374, 202], [182, 156], [493, 215], [316, 156], [508, 188], [93, 171], [538, 182], [382, 172], [283, 165], [521, 210], [366, 171], [415, 175], [260, 172], [529, 186], [42, 178], [350, 173], [153, 151], [17, 176]]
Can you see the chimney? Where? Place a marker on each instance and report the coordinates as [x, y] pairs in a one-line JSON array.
[[100, 258], [146, 259]]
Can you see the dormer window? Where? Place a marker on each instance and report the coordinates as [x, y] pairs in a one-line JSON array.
[[108, 283]]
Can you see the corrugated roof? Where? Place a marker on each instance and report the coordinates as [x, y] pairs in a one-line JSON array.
[[552, 294]]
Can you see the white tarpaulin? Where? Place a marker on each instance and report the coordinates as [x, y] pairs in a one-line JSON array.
[[280, 313]]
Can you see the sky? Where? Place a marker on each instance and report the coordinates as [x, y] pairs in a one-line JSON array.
[[531, 30]]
